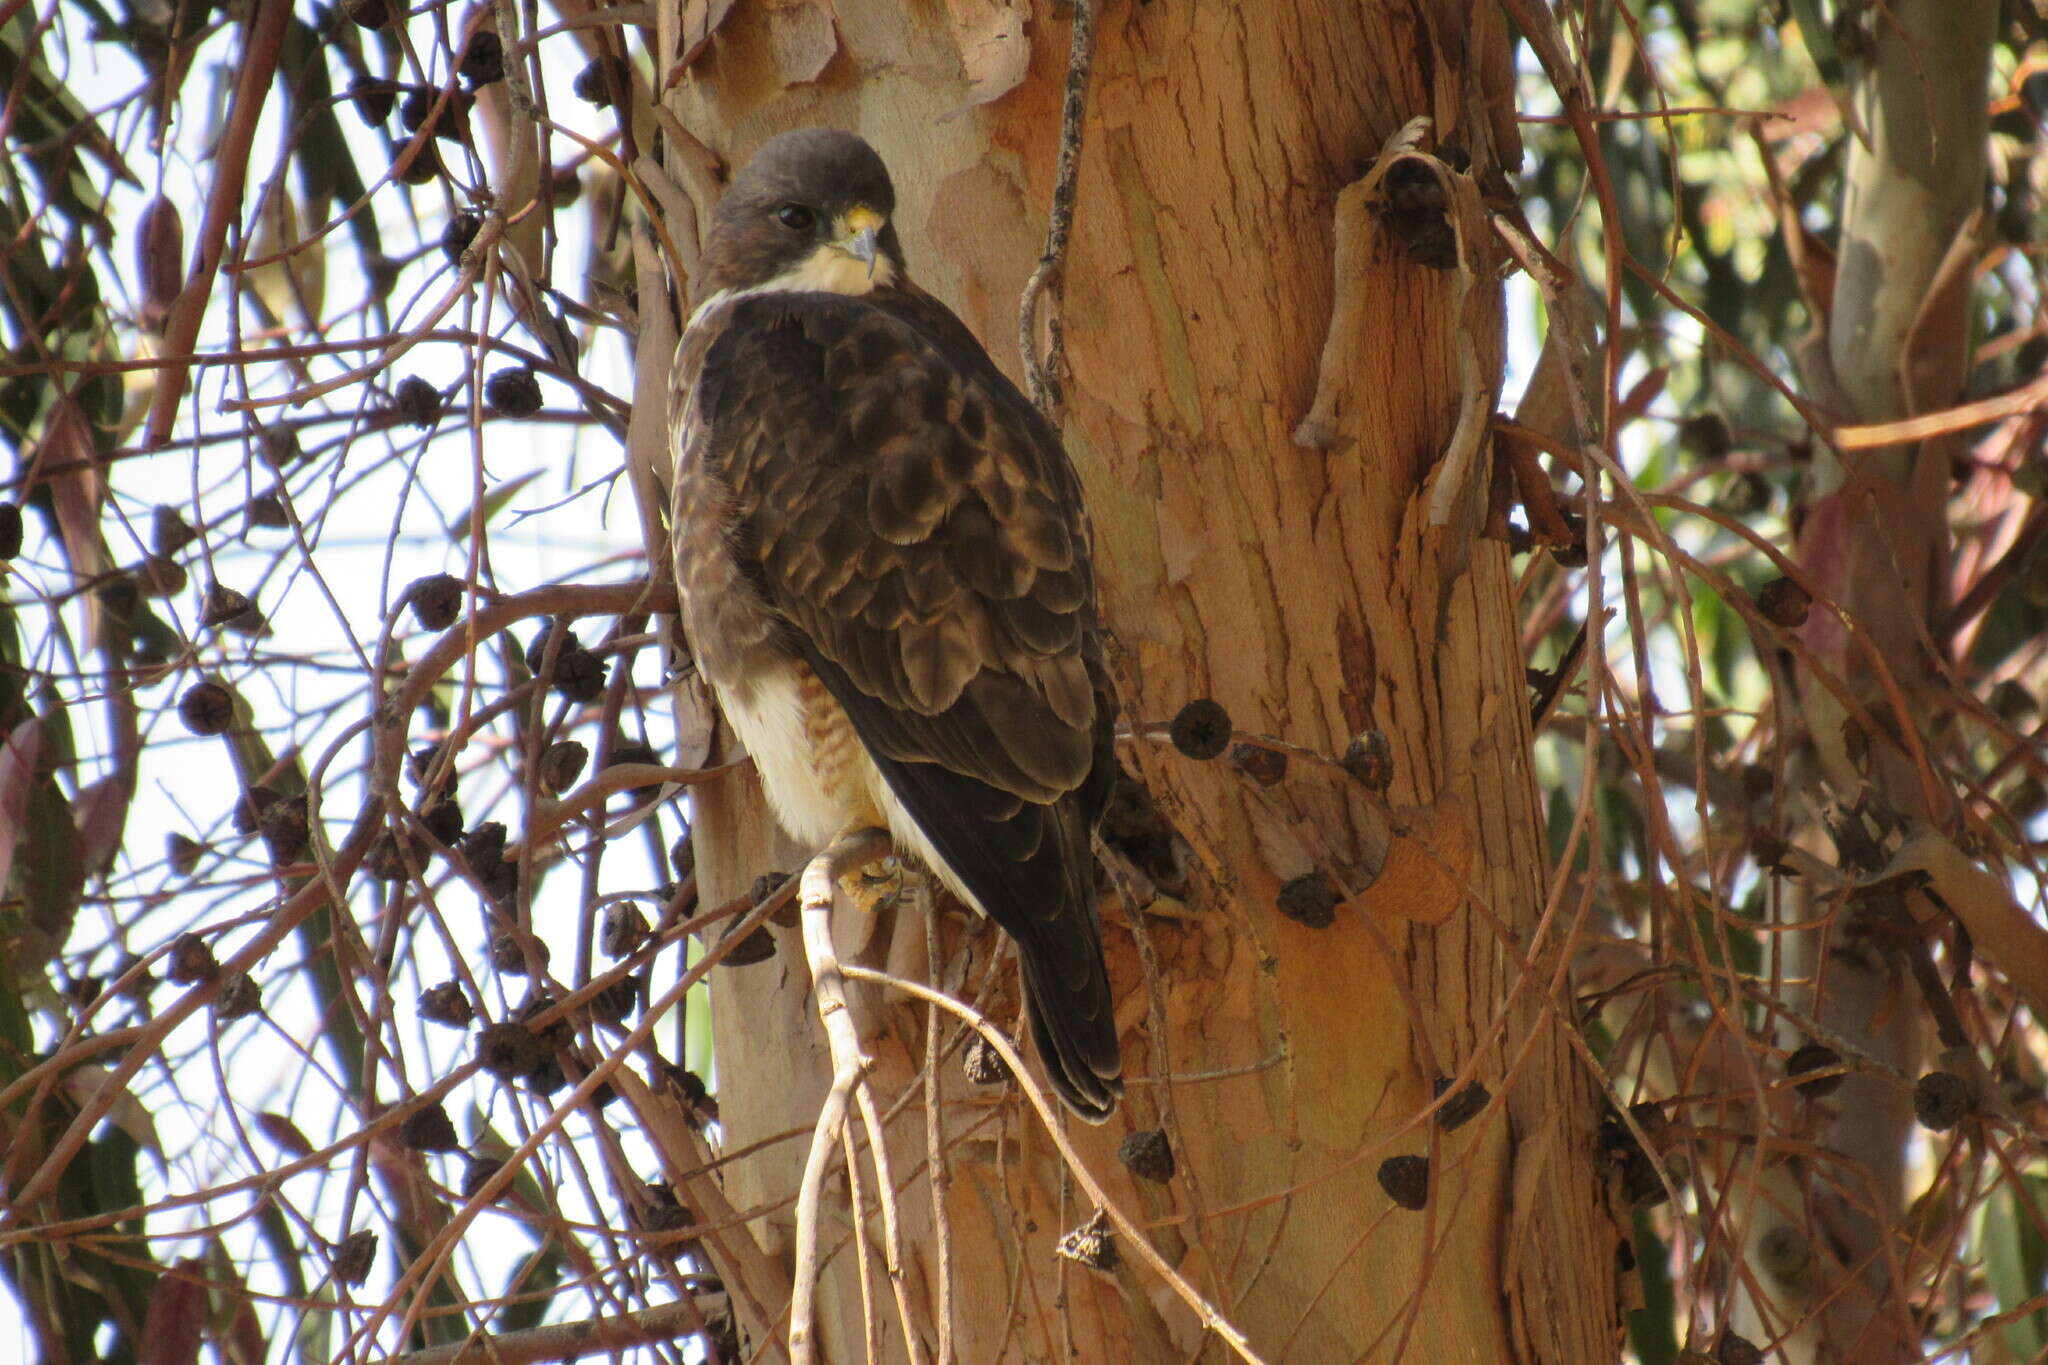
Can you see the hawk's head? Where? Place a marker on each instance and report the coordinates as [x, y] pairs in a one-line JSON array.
[[809, 212]]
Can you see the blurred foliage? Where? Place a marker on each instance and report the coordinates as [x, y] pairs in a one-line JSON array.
[[1700, 194]]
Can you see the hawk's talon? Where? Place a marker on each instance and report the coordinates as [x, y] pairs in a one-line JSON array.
[[877, 886]]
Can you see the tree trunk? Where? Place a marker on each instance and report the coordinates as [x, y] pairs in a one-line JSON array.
[[1307, 590], [1894, 342]]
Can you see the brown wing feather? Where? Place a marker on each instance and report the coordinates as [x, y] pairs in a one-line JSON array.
[[919, 527]]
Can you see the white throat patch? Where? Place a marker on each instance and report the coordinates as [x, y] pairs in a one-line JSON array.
[[828, 270]]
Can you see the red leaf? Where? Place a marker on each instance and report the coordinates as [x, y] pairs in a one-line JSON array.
[[21, 758], [67, 459], [177, 1312], [284, 1133], [101, 812]]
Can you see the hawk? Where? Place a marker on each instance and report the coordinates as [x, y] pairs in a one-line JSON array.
[[883, 562]]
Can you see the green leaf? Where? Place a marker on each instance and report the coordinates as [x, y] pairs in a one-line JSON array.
[[494, 502], [529, 1290], [1819, 37], [2016, 1262], [1653, 1328]]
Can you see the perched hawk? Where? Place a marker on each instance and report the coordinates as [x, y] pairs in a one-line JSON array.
[[884, 568]]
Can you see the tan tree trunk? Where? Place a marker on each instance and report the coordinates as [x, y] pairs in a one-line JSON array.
[[1305, 590]]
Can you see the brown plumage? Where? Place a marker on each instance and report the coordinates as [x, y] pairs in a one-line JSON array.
[[883, 560]]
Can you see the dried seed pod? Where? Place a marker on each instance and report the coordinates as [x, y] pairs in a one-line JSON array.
[[1735, 1350], [484, 849], [1784, 603], [624, 929], [1706, 435], [418, 402], [1771, 852], [279, 446], [1784, 1251], [1406, 1180], [423, 168], [451, 124], [138, 986], [1639, 1177], [354, 1257], [615, 1003], [249, 807], [1310, 899], [477, 1173], [637, 753], [580, 675], [1148, 1155], [460, 232], [663, 1211], [184, 854], [10, 530], [370, 14], [561, 763], [682, 858], [687, 1086], [484, 845], [420, 765], [446, 1004], [1092, 1244], [157, 577], [238, 997], [983, 1064], [1572, 556], [597, 82], [436, 600], [191, 961], [1370, 759], [1461, 1108], [757, 945], [1814, 1057], [666, 1221], [508, 952], [1941, 1100], [266, 510], [565, 187], [483, 61], [428, 1129], [386, 860], [223, 606], [284, 824], [1201, 729], [373, 99], [514, 392], [169, 532], [537, 650], [512, 1051], [442, 818], [207, 708], [1262, 765], [159, 261], [1414, 206]]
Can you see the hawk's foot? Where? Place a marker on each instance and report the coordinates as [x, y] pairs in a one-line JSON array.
[[873, 885]]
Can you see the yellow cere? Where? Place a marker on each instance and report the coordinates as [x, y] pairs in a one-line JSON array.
[[860, 218]]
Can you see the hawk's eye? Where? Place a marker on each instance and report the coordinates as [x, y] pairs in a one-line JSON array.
[[796, 217]]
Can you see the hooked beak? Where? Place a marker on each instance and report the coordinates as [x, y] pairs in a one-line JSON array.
[[861, 236]]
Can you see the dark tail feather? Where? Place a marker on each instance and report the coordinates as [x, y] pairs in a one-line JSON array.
[[1074, 1024]]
